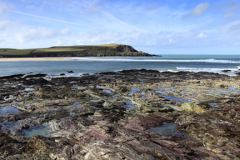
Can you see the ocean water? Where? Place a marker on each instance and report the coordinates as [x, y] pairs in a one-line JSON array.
[[81, 65]]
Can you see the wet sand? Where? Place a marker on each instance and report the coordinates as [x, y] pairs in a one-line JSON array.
[[35, 59]]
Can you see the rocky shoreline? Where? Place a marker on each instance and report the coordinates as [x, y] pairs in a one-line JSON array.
[[130, 114]]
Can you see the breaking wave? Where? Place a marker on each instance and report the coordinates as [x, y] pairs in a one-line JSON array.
[[206, 69], [155, 60]]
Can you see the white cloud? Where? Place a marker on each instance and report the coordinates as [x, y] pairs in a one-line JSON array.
[[158, 25], [153, 6], [116, 24], [230, 15], [45, 37], [198, 10], [3, 7], [30, 6], [85, 3], [54, 1], [233, 26], [136, 38], [4, 25], [47, 18], [229, 9], [201, 35], [37, 34], [65, 31], [93, 9]]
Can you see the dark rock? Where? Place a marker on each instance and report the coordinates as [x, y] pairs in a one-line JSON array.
[[226, 70], [98, 125], [39, 81], [9, 146], [12, 76], [237, 73]]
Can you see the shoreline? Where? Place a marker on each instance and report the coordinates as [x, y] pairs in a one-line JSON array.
[[34, 59], [3, 59], [232, 72]]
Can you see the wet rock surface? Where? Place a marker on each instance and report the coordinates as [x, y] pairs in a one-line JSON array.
[[130, 114]]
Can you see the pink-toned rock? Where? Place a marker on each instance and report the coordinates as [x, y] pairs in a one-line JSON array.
[[106, 151], [154, 149], [143, 123]]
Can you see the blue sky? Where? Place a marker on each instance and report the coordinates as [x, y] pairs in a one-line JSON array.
[[153, 26]]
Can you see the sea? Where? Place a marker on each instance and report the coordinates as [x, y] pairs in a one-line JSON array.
[[91, 65]]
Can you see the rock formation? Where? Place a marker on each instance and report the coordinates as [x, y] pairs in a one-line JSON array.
[[130, 114], [75, 51]]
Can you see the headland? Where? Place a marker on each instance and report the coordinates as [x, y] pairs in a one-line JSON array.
[[74, 51]]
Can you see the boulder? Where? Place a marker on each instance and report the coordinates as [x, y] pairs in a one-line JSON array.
[[226, 70]]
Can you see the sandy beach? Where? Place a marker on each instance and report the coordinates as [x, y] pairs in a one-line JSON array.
[[35, 59]]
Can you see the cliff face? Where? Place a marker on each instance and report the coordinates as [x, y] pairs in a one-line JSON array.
[[125, 48], [76, 51]]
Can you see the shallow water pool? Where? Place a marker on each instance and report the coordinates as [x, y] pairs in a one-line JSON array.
[[76, 104], [127, 100], [107, 91], [176, 99], [129, 106], [8, 110], [233, 89], [213, 105], [37, 130], [168, 129]]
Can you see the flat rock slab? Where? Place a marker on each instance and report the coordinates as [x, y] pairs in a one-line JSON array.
[[130, 114]]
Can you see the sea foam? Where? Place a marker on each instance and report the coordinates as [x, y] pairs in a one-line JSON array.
[[154, 60]]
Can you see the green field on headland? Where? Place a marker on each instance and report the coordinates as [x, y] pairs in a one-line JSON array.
[[16, 52], [75, 51]]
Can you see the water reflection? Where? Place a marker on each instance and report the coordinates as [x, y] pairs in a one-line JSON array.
[[4, 111], [168, 129]]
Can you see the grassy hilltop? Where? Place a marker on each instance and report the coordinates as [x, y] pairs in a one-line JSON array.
[[74, 51]]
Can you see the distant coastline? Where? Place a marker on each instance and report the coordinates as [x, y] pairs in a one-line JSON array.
[[35, 59], [74, 51]]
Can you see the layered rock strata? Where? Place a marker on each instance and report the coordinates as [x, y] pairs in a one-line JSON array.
[[130, 114]]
